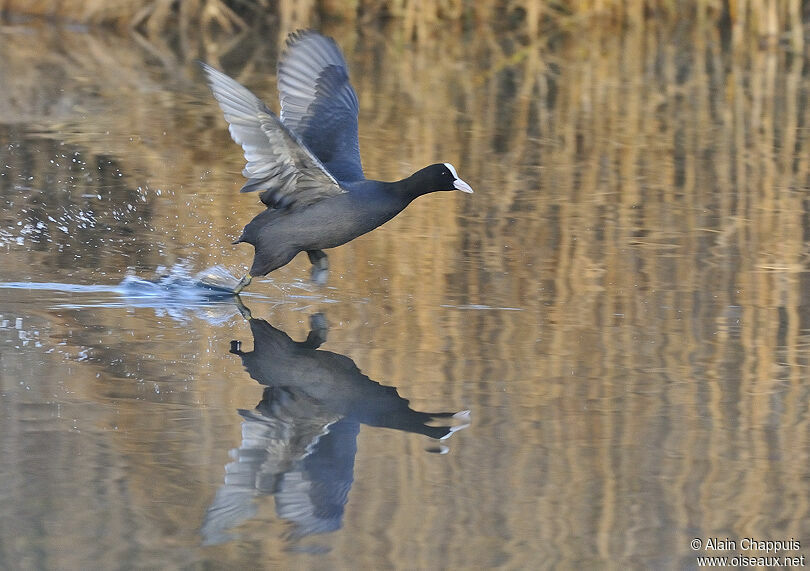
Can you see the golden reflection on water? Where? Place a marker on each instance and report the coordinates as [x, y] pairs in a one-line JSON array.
[[621, 304]]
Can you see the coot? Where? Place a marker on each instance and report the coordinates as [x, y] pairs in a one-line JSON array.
[[306, 163]]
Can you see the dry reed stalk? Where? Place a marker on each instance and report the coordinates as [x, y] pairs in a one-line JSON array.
[[770, 20]]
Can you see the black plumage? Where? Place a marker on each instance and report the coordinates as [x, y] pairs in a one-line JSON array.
[[306, 163]]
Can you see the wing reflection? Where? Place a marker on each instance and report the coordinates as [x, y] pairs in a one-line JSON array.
[[300, 441]]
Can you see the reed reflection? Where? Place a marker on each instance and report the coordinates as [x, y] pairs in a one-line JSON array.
[[299, 443]]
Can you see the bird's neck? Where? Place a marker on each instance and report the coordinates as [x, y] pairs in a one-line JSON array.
[[412, 187]]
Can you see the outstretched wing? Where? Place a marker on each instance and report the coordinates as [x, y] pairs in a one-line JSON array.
[[277, 160], [318, 103]]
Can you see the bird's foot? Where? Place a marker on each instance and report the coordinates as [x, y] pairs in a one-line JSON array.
[[320, 266], [318, 330], [319, 276], [243, 309], [243, 283]]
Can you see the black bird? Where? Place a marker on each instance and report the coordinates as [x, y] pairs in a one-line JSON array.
[[299, 444], [307, 162]]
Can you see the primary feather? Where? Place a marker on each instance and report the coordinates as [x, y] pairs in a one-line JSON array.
[[319, 104], [278, 162]]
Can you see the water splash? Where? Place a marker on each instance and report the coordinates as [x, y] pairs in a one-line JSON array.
[[180, 284], [175, 284], [176, 292]]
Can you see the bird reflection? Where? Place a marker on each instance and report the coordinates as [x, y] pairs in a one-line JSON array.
[[300, 441]]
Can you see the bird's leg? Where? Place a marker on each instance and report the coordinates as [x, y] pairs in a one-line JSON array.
[[320, 266], [318, 330], [243, 309], [243, 283]]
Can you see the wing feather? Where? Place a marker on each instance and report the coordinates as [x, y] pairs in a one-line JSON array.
[[319, 104], [278, 161]]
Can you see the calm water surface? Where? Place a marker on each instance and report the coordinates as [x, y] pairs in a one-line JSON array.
[[622, 308]]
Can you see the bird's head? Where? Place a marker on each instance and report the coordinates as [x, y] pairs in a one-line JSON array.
[[442, 176]]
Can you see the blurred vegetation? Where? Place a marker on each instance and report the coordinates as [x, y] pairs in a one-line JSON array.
[[641, 196], [770, 21]]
